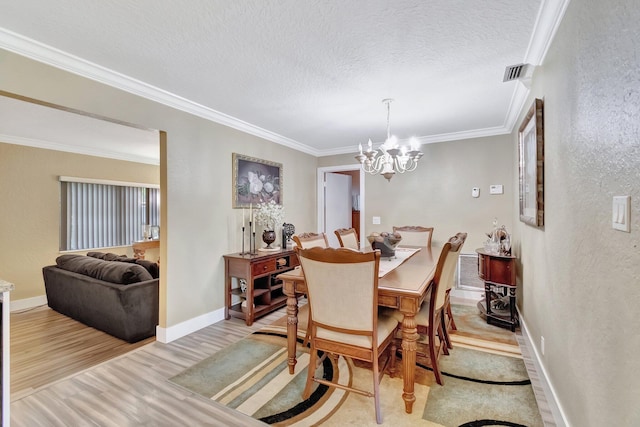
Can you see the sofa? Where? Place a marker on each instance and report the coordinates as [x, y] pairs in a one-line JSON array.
[[115, 294]]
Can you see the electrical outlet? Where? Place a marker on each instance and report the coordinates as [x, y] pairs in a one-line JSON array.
[[542, 345]]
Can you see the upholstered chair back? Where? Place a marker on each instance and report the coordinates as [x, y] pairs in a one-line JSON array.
[[311, 240], [459, 238], [415, 235], [342, 288], [446, 268], [348, 238]]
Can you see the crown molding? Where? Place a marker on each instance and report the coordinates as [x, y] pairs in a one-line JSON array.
[[518, 100], [51, 56], [547, 22], [432, 139], [48, 145]]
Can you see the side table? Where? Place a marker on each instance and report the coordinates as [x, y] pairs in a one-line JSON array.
[[499, 275], [252, 288]]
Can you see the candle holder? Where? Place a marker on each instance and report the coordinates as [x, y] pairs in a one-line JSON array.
[[253, 251], [243, 252]]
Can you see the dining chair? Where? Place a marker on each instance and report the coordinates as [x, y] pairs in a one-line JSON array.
[[430, 318], [342, 286], [348, 238], [311, 240], [449, 322], [414, 235], [307, 241]]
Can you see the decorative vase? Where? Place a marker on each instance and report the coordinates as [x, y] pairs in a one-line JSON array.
[[268, 236]]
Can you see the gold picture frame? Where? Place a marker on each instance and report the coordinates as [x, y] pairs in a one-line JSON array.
[[255, 181], [531, 154]]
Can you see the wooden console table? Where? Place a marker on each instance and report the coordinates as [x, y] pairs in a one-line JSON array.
[[141, 246], [499, 275], [263, 292]]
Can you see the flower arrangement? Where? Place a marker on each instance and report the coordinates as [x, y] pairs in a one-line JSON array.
[[257, 185], [269, 214]]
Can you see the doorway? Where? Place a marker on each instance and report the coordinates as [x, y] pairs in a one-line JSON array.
[[37, 134], [356, 196]]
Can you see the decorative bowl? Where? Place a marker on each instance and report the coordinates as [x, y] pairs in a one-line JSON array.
[[385, 242]]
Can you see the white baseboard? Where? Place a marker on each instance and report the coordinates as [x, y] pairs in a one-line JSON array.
[[166, 335], [27, 303], [550, 393]]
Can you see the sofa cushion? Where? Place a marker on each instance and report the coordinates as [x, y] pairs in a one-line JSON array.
[[150, 266], [107, 256], [111, 257], [99, 255], [113, 272], [124, 258]]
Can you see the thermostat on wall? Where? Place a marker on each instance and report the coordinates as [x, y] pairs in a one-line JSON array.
[[475, 192], [496, 189]]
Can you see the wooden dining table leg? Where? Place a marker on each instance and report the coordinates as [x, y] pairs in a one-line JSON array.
[[288, 289], [409, 347]]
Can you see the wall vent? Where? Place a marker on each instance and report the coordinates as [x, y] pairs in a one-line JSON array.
[[514, 72], [468, 273]]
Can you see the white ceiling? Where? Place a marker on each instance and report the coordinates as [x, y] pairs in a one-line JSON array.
[[307, 74]]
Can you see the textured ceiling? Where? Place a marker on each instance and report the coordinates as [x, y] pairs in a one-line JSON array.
[[309, 74]]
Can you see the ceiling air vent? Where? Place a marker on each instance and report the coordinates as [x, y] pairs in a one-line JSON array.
[[514, 72]]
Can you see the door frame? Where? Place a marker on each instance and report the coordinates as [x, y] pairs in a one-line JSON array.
[[321, 199]]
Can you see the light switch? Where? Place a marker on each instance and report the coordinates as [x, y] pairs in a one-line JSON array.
[[620, 213], [376, 220]]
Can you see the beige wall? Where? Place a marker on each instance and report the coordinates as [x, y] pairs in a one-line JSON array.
[[581, 278], [438, 192], [30, 200], [199, 225]]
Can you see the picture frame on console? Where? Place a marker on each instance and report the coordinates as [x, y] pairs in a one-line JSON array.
[[531, 155], [255, 181]]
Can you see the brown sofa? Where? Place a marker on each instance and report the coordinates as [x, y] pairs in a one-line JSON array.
[[116, 295]]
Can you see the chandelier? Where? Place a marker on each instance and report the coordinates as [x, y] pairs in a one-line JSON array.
[[389, 158]]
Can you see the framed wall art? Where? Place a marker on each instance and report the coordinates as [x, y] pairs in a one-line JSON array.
[[531, 149], [255, 181]]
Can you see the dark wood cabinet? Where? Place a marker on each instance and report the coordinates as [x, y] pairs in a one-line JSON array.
[[499, 275], [251, 287], [355, 221]]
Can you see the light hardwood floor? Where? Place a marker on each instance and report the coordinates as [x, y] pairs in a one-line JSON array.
[[47, 346], [69, 375], [93, 379]]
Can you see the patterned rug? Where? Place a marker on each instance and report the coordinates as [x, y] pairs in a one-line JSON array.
[[481, 388]]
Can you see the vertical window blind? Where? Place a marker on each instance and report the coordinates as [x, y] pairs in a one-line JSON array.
[[103, 214]]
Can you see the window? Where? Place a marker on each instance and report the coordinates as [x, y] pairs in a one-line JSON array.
[[99, 214]]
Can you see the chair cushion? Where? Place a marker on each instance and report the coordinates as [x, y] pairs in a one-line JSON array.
[[386, 326]]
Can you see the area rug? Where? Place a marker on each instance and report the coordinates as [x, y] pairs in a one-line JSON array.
[[481, 388], [474, 332]]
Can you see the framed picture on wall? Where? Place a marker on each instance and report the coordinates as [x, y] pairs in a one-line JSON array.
[[531, 149], [255, 181]]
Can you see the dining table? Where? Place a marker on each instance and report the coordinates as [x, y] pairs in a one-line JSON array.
[[403, 287]]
